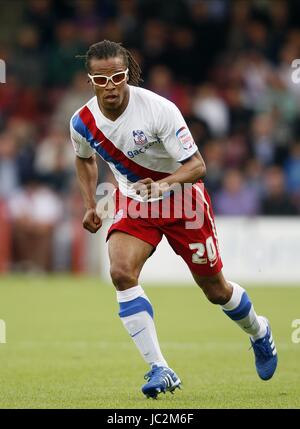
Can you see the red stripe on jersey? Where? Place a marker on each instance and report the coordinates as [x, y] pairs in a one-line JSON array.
[[143, 172]]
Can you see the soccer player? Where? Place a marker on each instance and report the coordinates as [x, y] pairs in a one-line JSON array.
[[148, 146]]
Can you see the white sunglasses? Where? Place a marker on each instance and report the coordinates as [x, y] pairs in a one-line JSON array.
[[101, 80]]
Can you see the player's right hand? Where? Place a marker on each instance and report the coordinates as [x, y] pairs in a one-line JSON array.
[[91, 221]]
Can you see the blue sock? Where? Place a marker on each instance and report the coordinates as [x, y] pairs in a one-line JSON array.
[[240, 309], [136, 314]]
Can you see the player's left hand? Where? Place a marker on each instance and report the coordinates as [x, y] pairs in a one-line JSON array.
[[91, 220], [147, 188]]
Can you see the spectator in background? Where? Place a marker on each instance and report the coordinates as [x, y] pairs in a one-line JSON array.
[[183, 62], [62, 64], [85, 13], [239, 114], [76, 95], [155, 44], [236, 198], [40, 15], [211, 108], [86, 17], [254, 176], [213, 155], [292, 173], [276, 201], [55, 159], [66, 230], [257, 39], [279, 20], [279, 99], [161, 81], [27, 62], [127, 11], [263, 139], [255, 75], [35, 211], [239, 17], [113, 30], [207, 19], [236, 151], [9, 173], [24, 133]]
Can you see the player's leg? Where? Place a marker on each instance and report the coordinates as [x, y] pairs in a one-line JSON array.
[[237, 305], [127, 257], [234, 301], [199, 248]]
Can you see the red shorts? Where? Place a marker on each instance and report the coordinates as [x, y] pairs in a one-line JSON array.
[[187, 221]]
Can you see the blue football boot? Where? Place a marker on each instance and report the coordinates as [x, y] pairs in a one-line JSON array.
[[265, 354], [160, 380]]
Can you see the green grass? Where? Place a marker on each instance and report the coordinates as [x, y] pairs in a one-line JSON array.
[[66, 348]]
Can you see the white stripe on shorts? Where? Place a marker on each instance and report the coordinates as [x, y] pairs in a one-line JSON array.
[[208, 212]]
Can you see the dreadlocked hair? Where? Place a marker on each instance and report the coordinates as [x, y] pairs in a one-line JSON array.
[[107, 49]]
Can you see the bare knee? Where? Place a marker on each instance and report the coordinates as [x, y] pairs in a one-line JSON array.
[[216, 289], [123, 277], [217, 296]]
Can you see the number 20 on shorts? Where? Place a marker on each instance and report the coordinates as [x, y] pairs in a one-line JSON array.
[[198, 257]]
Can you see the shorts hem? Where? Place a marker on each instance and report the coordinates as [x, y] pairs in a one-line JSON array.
[[207, 272], [133, 234]]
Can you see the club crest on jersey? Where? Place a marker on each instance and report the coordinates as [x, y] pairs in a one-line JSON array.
[[185, 138], [139, 137]]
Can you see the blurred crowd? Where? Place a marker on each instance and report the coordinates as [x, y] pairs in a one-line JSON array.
[[226, 64]]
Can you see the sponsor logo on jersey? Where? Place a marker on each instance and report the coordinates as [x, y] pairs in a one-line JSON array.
[[135, 152], [139, 137], [185, 138]]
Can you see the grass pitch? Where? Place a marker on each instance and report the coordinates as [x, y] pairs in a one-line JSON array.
[[66, 348]]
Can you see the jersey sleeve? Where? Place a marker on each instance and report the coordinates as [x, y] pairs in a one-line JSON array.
[[80, 144], [175, 134]]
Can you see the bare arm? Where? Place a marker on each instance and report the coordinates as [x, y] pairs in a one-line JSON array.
[[87, 174], [191, 171]]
